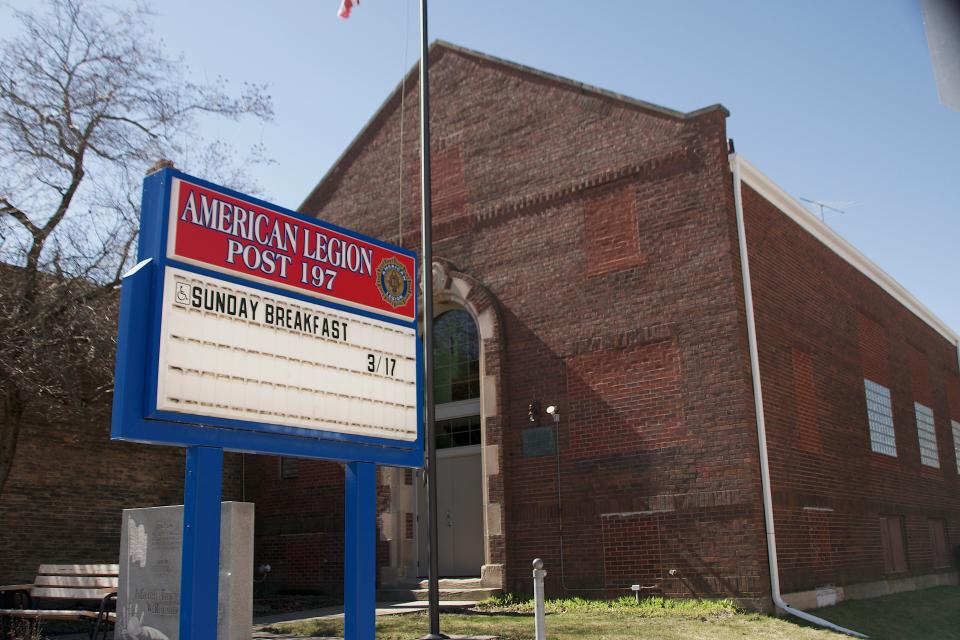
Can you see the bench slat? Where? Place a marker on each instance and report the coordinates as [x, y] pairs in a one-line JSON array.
[[70, 593], [89, 582], [76, 582], [53, 614], [79, 569]]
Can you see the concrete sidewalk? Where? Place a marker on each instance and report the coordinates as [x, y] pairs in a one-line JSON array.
[[383, 609]]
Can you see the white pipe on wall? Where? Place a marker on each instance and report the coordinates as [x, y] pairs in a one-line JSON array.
[[761, 425]]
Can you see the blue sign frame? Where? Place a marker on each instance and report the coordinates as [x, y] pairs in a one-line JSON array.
[[135, 414]]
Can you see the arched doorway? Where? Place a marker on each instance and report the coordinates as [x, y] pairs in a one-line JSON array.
[[470, 389], [456, 371]]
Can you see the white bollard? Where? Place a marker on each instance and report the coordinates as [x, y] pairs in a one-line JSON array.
[[538, 576]]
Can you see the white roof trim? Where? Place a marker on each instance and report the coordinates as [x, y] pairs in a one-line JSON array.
[[799, 214]]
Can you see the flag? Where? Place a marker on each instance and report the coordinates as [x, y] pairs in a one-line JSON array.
[[346, 6]]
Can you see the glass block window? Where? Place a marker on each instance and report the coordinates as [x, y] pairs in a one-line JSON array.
[[880, 417], [956, 442], [456, 357], [927, 434]]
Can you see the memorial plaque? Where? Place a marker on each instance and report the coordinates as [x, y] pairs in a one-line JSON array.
[[538, 441], [148, 597]]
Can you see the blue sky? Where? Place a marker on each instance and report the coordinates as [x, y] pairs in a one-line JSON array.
[[835, 101]]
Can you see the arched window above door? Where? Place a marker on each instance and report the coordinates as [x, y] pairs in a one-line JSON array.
[[456, 357], [456, 379]]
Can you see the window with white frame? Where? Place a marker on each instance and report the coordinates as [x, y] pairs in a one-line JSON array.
[[880, 417], [927, 434], [956, 442], [456, 379]]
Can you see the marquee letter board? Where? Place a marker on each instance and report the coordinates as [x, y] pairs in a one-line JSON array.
[[253, 328]]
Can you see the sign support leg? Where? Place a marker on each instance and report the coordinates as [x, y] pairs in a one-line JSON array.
[[360, 571], [200, 563]]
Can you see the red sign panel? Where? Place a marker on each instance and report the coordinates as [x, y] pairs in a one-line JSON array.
[[215, 230]]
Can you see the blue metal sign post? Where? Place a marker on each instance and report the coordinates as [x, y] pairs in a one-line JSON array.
[[359, 592], [251, 328], [200, 563]]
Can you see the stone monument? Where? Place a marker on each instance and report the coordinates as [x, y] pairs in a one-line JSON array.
[[148, 597]]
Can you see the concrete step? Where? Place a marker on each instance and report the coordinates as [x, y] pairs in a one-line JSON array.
[[445, 583], [402, 595], [450, 589]]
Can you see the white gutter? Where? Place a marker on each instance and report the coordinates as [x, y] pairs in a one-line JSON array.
[[761, 425]]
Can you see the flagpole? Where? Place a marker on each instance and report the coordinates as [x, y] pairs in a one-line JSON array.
[[427, 267]]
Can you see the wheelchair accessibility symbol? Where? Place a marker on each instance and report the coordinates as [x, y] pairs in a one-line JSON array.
[[182, 294]]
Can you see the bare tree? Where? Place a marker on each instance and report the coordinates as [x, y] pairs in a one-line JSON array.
[[87, 102]]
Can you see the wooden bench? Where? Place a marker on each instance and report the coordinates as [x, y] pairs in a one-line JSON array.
[[63, 592]]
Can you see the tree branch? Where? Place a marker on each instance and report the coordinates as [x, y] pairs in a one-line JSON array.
[[8, 208]]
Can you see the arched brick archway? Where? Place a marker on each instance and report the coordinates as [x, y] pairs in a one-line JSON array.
[[456, 290]]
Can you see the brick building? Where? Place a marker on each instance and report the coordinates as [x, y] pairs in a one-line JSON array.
[[588, 258], [69, 484]]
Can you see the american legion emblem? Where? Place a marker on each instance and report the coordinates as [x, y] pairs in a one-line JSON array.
[[394, 282]]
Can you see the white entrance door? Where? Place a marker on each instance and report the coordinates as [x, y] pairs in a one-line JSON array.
[[459, 513]]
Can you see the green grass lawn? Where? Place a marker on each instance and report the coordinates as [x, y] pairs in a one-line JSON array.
[[930, 613], [933, 613]]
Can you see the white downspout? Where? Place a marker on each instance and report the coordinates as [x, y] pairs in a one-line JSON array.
[[761, 426]]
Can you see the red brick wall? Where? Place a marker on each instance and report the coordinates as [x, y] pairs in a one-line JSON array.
[[609, 244], [874, 353], [953, 399], [603, 230], [625, 399], [920, 376], [69, 484], [805, 403], [299, 523], [822, 328]]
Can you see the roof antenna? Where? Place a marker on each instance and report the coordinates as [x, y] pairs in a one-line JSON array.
[[829, 206]]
